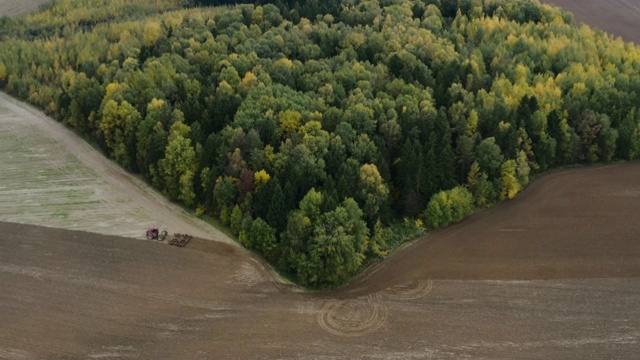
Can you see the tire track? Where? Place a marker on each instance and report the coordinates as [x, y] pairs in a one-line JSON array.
[[412, 290], [247, 275], [355, 317], [366, 314], [117, 287]]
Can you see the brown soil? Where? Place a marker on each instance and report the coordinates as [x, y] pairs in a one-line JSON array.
[[13, 8], [616, 17], [552, 274], [572, 224]]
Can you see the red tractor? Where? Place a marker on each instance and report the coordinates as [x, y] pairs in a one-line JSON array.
[[155, 233]]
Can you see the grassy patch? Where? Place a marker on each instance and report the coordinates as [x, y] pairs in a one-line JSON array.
[[60, 214], [403, 232], [215, 222]]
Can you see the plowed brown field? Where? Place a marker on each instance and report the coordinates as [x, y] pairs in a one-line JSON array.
[[553, 274], [616, 17], [14, 8]]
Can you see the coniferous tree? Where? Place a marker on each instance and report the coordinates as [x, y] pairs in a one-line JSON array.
[[277, 207]]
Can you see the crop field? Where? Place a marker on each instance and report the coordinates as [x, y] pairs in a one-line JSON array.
[[50, 177]]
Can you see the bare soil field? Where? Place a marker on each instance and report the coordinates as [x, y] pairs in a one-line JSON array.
[[13, 8], [616, 17], [552, 274]]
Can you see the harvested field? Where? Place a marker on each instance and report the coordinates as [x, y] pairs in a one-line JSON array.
[[554, 273], [13, 8], [51, 177], [479, 289], [553, 230], [616, 17]]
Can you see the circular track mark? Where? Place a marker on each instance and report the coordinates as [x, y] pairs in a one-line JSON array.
[[412, 290], [355, 317], [247, 275]]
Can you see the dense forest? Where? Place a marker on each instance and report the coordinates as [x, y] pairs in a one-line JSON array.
[[323, 133]]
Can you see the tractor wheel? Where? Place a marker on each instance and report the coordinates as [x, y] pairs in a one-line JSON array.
[[149, 235], [162, 235]]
